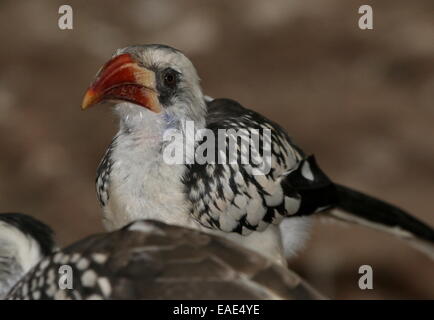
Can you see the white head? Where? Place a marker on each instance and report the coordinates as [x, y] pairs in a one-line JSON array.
[[148, 84]]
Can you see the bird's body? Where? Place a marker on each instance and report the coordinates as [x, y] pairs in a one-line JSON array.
[[134, 182], [140, 185], [156, 89]]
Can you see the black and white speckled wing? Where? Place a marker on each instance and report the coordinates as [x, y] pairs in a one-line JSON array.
[[103, 175], [152, 260], [229, 197]]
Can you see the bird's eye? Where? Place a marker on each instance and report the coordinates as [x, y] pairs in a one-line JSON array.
[[170, 78]]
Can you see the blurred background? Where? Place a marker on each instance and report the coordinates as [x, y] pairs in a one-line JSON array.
[[361, 101]]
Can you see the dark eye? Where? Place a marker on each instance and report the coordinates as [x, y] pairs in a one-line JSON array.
[[170, 78]]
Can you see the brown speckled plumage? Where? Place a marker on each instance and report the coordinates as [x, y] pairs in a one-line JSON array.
[[151, 260]]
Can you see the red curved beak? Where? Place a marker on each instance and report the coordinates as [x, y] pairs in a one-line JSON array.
[[122, 79]]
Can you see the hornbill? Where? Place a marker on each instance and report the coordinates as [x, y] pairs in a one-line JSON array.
[[155, 89], [143, 260]]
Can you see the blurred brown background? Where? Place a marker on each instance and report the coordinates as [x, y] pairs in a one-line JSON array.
[[362, 101]]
